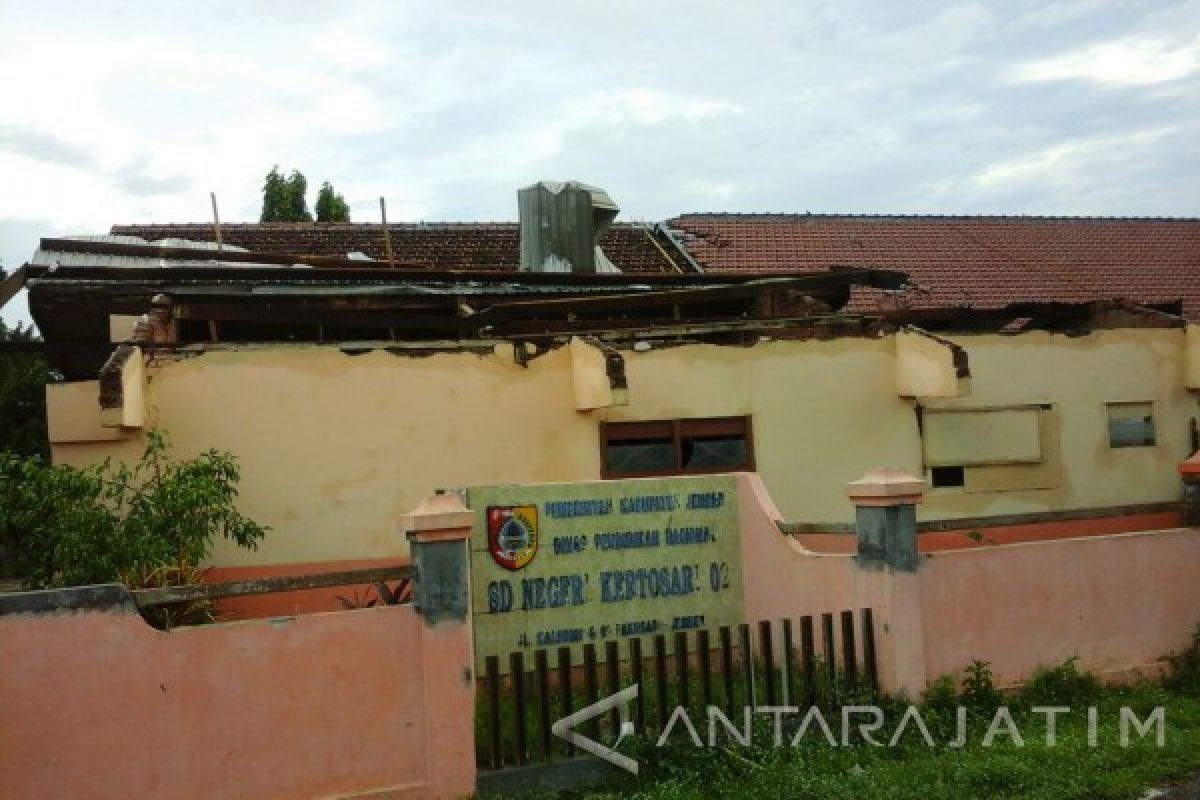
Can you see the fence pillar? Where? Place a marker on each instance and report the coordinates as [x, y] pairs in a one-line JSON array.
[[885, 514], [885, 508], [438, 531]]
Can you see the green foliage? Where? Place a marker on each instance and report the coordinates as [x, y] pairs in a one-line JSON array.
[[1185, 668], [1069, 770], [1072, 768], [284, 197], [1063, 685], [940, 695], [23, 378], [63, 526], [185, 612], [979, 690], [284, 200], [331, 207]]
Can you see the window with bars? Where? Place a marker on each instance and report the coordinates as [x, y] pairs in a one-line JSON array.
[[675, 447]]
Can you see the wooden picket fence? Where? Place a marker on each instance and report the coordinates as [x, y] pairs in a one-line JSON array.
[[815, 660]]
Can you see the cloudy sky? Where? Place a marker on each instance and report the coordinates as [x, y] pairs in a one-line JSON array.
[[133, 112]]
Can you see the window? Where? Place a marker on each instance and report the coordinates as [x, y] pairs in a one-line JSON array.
[[675, 447], [947, 477], [1130, 424], [991, 448], [955, 437]]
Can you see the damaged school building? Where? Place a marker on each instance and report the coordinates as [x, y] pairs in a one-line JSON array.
[[1036, 371]]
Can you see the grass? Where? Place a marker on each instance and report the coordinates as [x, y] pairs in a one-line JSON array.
[[1070, 768]]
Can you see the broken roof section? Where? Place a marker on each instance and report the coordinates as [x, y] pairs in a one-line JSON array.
[[720, 277], [633, 246], [954, 261], [246, 296]]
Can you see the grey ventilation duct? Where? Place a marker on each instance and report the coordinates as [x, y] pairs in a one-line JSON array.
[[561, 224]]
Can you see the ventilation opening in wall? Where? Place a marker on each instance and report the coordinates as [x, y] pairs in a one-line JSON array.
[[1130, 424], [947, 477]]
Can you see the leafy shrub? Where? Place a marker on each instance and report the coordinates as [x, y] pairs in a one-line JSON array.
[[940, 695], [979, 690], [942, 699], [64, 526], [186, 612], [1063, 685], [1185, 668], [23, 378]]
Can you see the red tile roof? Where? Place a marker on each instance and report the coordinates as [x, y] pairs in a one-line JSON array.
[[983, 262], [437, 246]]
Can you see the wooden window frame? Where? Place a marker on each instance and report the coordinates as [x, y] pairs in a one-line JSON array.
[[676, 430]]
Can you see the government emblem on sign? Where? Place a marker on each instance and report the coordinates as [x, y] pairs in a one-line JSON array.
[[512, 535]]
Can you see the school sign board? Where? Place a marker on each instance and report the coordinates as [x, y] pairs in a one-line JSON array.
[[556, 565]]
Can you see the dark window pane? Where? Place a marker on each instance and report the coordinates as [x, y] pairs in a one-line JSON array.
[[714, 452], [944, 477], [1131, 432], [649, 455]]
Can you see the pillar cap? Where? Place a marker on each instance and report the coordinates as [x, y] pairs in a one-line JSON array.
[[439, 512], [1190, 466], [886, 486]]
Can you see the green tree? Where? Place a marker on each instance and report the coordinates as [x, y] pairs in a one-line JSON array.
[[23, 378], [331, 207], [284, 197], [64, 526]]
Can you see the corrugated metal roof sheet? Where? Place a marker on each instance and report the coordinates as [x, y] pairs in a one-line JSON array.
[[51, 257]]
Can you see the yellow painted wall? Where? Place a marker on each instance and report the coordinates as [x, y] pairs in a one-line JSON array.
[[823, 412], [334, 448], [74, 414], [1079, 375], [1193, 357], [925, 367]]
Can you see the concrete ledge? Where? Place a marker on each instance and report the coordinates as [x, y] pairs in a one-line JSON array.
[[996, 521], [101, 597]]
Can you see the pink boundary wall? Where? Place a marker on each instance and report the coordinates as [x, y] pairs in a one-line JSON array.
[[369, 703], [1120, 602]]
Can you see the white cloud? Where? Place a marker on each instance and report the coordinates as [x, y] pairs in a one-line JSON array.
[[1057, 14], [643, 106], [134, 112], [705, 188], [1133, 61], [1072, 159]]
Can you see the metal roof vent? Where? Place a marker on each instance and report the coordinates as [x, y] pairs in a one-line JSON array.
[[561, 224]]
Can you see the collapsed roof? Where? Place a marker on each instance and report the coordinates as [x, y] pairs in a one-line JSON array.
[[953, 262], [75, 286], [723, 274]]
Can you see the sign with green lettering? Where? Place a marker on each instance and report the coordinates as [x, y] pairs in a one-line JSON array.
[[557, 565]]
